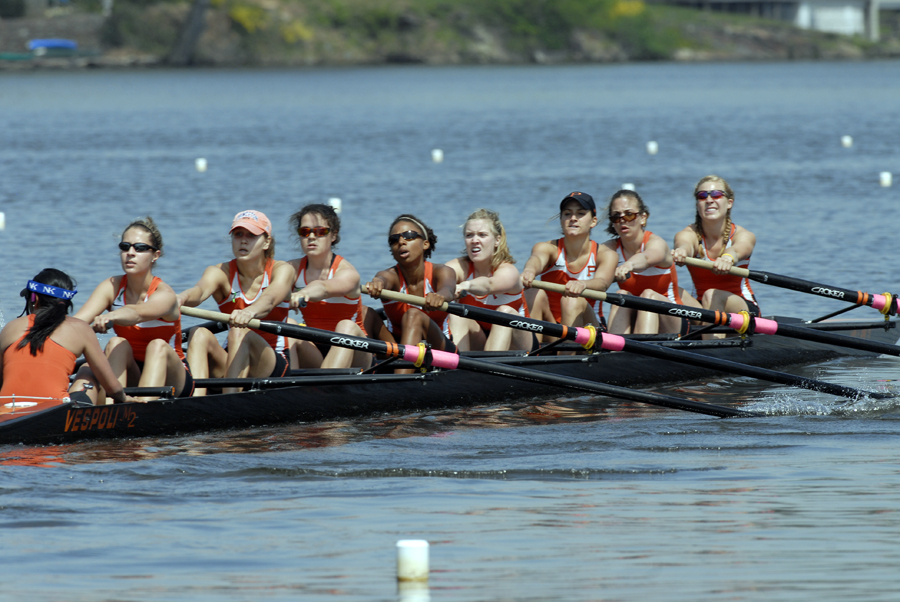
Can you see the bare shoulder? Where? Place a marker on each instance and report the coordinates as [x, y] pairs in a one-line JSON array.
[[12, 331]]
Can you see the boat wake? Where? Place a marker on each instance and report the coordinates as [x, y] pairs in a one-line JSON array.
[[788, 405]]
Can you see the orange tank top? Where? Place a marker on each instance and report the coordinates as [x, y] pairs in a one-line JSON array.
[[494, 302], [560, 273], [658, 279], [43, 375], [705, 280], [237, 300], [327, 313], [394, 310], [140, 335]]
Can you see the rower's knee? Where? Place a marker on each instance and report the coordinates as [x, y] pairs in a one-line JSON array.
[[117, 345]]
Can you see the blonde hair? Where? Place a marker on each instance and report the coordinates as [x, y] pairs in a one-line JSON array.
[[698, 223], [502, 254]]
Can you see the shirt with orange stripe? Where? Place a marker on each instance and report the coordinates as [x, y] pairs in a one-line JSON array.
[[560, 273], [395, 310], [658, 279], [140, 335], [494, 301], [327, 313], [705, 279], [238, 300]]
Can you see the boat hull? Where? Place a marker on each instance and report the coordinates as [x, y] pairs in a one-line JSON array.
[[328, 398]]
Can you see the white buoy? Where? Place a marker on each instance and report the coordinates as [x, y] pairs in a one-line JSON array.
[[413, 591], [200, 164], [627, 186], [335, 203], [2, 221], [437, 155], [886, 179], [846, 141], [652, 148], [412, 560]]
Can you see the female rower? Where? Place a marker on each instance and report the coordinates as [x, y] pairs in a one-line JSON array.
[[412, 243], [573, 260], [38, 350], [714, 237], [645, 268], [487, 274], [327, 291], [252, 285], [142, 311]]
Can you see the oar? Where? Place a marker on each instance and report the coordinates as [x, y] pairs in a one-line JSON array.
[[887, 303], [423, 356], [613, 342], [742, 323]]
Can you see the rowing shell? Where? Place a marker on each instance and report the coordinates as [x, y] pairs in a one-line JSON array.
[[329, 395]]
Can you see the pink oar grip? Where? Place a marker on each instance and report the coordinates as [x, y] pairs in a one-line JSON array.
[[612, 342], [443, 359], [582, 335], [735, 321], [764, 326], [879, 301]]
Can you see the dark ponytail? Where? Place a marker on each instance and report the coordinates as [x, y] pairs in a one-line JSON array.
[[52, 311]]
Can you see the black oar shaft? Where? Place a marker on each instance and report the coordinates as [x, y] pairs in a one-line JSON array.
[[805, 286], [441, 359], [736, 321], [615, 342]]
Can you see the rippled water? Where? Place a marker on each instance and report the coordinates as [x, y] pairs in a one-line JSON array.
[[567, 498]]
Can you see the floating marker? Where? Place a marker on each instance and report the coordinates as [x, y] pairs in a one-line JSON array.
[[2, 221], [846, 141], [437, 155], [886, 179], [627, 186], [652, 148], [335, 203], [200, 164], [412, 560]]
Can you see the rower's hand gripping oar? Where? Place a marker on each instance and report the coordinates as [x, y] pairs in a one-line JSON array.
[[590, 338], [742, 322], [421, 355], [887, 303]]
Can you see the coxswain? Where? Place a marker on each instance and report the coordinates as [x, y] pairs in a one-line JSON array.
[[142, 311], [486, 276], [253, 285], [38, 349]]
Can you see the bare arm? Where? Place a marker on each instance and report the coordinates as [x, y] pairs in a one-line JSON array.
[[444, 287], [278, 290], [742, 245], [685, 245], [504, 280], [99, 301], [215, 278], [655, 252], [603, 275], [345, 282], [383, 280], [96, 359], [541, 256], [161, 304]]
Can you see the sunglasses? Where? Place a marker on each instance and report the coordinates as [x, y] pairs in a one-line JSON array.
[[716, 194], [304, 232], [139, 247], [408, 235], [628, 216]]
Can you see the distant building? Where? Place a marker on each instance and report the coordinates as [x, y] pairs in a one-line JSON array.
[[848, 17]]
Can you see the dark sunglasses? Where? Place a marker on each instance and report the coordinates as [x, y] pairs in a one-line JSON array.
[[139, 247], [628, 216], [716, 194], [304, 232], [408, 235]]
